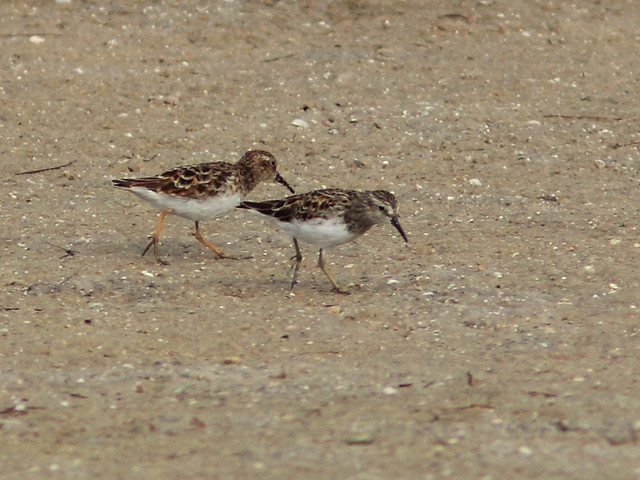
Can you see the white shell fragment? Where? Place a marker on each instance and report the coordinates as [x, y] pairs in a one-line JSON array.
[[600, 163]]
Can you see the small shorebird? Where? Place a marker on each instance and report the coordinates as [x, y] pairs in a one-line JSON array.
[[203, 192], [329, 217]]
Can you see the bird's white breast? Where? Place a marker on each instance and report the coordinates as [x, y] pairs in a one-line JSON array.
[[319, 231], [194, 209]]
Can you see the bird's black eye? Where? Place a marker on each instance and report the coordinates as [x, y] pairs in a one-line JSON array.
[[381, 208]]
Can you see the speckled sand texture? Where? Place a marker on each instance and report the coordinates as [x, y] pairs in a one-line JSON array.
[[501, 343]]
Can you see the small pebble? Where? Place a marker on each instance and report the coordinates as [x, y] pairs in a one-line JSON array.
[[36, 39], [549, 197], [232, 361], [600, 163], [298, 122], [475, 182], [525, 450], [171, 100]]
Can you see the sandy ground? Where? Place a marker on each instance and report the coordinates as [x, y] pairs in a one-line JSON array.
[[502, 342]]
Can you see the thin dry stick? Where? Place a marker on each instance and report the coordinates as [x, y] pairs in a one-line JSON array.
[[620, 145], [45, 169], [275, 59], [21, 34], [582, 117]]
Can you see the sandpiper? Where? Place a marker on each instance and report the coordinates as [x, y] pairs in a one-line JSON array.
[[329, 217], [203, 192]]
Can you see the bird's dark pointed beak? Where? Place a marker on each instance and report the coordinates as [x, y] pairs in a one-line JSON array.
[[396, 223], [282, 181]]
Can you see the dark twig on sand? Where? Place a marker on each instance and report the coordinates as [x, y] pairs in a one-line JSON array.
[[582, 117], [40, 170], [620, 145]]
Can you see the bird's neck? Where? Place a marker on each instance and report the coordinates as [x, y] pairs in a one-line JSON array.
[[251, 180]]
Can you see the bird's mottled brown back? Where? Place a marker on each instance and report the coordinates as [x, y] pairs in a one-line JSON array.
[[317, 204], [204, 179]]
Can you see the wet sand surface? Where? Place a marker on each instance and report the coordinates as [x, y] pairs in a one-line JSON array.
[[502, 341]]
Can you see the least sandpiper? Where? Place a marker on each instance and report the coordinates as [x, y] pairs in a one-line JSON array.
[[329, 217], [203, 192]]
